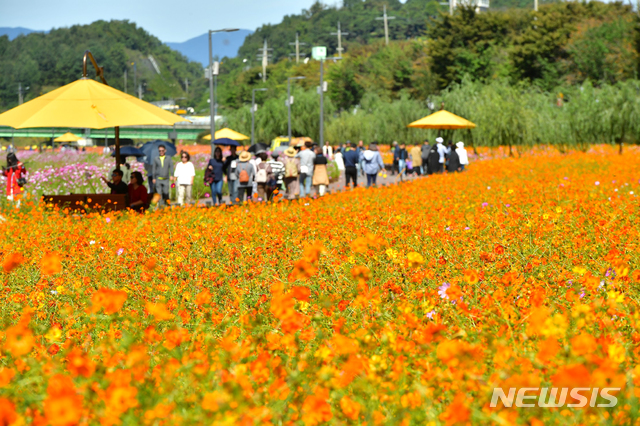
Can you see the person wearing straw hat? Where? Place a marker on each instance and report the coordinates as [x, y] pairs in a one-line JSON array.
[[246, 172], [291, 172]]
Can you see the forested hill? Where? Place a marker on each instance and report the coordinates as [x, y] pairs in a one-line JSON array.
[[359, 19], [43, 62]]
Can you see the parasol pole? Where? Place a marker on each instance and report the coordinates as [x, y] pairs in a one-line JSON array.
[[100, 73]]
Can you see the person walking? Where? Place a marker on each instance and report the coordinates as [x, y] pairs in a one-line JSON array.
[[442, 152], [403, 155], [161, 171], [277, 168], [214, 176], [339, 159], [15, 177], [396, 158], [351, 159], [246, 174], [138, 196], [320, 175], [373, 164], [230, 169], [291, 172], [306, 156], [184, 175], [264, 175], [327, 150], [424, 151], [416, 159], [462, 155]]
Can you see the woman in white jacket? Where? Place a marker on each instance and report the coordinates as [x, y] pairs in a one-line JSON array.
[[462, 154]]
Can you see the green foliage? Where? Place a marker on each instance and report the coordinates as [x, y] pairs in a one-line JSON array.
[[47, 61]]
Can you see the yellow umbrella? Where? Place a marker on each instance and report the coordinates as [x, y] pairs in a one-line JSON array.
[[443, 120], [67, 137], [87, 104], [228, 133]]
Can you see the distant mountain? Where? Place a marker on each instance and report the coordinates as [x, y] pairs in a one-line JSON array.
[[224, 44], [15, 32]]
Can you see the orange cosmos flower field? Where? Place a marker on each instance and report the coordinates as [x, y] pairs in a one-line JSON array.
[[401, 305]]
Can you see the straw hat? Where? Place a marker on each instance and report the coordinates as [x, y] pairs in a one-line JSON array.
[[244, 156], [290, 152]]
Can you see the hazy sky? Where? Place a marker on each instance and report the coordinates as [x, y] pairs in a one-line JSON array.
[[169, 20]]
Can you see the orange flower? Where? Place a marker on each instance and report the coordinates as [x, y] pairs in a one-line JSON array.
[[63, 405], [12, 261], [301, 293], [51, 264], [471, 276], [359, 245], [6, 374], [78, 364], [571, 376], [159, 311], [454, 292], [350, 408], [583, 344], [315, 409], [7, 412], [19, 341], [110, 300], [457, 412]]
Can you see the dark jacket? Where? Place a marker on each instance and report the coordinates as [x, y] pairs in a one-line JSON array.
[[453, 162], [120, 188], [403, 154], [217, 173], [320, 159], [433, 161], [424, 151], [351, 158], [162, 170]]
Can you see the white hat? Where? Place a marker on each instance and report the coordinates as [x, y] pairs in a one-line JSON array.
[[439, 140], [460, 144]]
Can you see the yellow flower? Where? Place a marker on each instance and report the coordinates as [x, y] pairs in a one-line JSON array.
[[616, 353], [415, 259]]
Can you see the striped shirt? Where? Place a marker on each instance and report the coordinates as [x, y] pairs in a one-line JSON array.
[[277, 168]]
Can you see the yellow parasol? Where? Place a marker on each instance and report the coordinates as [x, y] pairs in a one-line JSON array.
[[442, 120], [67, 137], [88, 104], [228, 133]]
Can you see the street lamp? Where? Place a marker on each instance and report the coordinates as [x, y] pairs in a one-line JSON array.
[[289, 101], [253, 111], [214, 76]]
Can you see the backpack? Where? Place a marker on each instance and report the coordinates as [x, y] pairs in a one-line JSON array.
[[261, 176], [290, 169], [243, 176]]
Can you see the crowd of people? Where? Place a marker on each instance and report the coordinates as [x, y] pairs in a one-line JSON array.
[[294, 172]]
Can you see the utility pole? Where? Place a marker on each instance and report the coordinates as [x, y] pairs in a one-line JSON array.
[[297, 44], [265, 60], [125, 81], [535, 5], [139, 91], [186, 84], [386, 18], [321, 142], [213, 75], [20, 97], [339, 34], [135, 77], [254, 108], [290, 101]]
